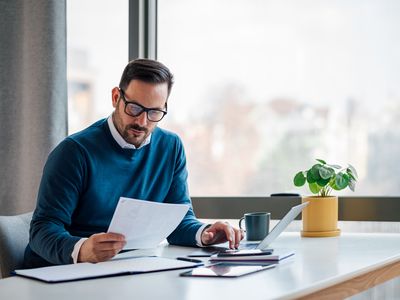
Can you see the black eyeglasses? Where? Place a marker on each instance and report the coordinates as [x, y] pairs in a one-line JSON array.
[[135, 109]]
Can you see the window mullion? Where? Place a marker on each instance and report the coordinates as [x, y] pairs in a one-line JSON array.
[[142, 29]]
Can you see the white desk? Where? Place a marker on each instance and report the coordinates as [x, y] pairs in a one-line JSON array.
[[339, 266]]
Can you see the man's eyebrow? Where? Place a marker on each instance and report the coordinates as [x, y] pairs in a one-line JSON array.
[[135, 102]]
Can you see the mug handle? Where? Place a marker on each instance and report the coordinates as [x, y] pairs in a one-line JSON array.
[[240, 223]]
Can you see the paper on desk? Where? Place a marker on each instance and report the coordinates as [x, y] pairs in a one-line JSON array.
[[145, 223]]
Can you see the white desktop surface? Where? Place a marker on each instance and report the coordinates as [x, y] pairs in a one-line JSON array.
[[317, 264]]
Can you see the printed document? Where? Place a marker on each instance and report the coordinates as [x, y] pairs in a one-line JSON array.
[[145, 223]]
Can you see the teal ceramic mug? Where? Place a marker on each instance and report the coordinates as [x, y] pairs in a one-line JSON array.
[[256, 225]]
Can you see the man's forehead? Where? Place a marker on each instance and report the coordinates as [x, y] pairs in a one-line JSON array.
[[147, 94]]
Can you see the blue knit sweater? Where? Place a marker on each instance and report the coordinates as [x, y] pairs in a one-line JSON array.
[[83, 179]]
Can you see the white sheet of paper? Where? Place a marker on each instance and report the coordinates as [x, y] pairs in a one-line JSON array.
[[145, 223]]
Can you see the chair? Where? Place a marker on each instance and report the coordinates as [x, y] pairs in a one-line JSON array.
[[14, 236]]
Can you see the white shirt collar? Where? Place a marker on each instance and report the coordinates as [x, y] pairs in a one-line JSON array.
[[120, 140]]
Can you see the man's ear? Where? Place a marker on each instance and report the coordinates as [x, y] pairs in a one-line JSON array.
[[115, 95]]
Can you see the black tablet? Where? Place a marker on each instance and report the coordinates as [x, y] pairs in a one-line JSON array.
[[227, 270]]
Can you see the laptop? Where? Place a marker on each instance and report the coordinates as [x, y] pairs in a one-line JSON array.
[[262, 245]]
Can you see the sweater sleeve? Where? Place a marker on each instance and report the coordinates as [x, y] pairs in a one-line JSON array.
[[61, 185], [185, 233]]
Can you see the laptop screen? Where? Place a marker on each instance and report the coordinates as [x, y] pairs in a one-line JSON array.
[[281, 226]]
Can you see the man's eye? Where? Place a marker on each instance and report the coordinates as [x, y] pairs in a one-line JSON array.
[[135, 109]]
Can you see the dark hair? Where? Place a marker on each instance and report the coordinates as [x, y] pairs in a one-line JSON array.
[[146, 70]]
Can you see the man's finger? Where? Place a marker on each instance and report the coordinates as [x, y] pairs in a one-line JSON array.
[[105, 246], [229, 233], [105, 255], [238, 237], [232, 240], [109, 237]]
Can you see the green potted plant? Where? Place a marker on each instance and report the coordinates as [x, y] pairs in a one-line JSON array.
[[320, 217]]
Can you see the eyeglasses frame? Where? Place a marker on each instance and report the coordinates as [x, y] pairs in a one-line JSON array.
[[144, 109]]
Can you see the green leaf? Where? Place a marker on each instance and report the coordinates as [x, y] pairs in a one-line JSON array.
[[310, 178], [314, 188], [321, 161], [335, 166], [299, 179], [353, 171], [326, 173], [334, 186], [351, 175], [323, 182], [313, 174], [342, 180], [352, 184]]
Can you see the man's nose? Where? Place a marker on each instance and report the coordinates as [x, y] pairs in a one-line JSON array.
[[142, 119]]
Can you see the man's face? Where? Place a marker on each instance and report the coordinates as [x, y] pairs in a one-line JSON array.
[[135, 130]]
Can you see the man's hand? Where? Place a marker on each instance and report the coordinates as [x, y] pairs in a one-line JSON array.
[[221, 232], [101, 247]]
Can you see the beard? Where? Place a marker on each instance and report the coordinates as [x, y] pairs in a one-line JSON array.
[[135, 137]]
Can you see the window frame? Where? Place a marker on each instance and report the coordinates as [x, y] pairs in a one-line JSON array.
[[357, 208], [143, 44], [142, 29]]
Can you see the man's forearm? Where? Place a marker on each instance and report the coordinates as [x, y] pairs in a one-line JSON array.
[[52, 242]]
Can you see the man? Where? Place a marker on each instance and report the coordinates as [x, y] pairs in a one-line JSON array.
[[124, 155]]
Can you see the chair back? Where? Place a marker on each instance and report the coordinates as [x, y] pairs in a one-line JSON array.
[[14, 237]]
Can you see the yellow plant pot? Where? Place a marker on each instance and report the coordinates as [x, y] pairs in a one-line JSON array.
[[320, 217]]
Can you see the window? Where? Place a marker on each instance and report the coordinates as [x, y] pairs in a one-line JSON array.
[[97, 46], [265, 87]]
